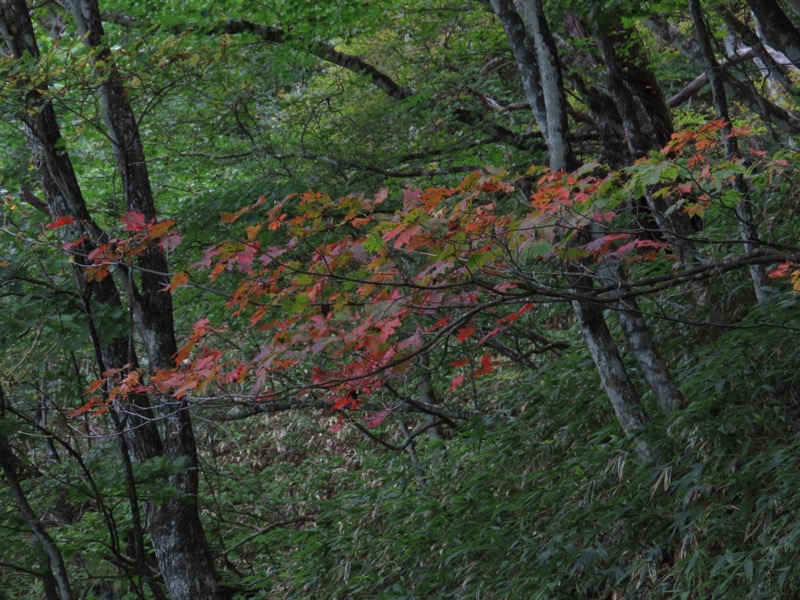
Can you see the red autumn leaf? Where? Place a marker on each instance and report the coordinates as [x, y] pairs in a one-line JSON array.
[[639, 245], [376, 418], [133, 221], [440, 323], [486, 366], [601, 245], [508, 319], [403, 232], [457, 381], [337, 427], [782, 270], [489, 335], [460, 363], [77, 242], [464, 333], [505, 287], [170, 242], [60, 222]]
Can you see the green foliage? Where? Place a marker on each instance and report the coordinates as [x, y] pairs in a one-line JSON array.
[[534, 491], [548, 502]]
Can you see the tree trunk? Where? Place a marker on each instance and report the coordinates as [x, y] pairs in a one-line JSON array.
[[525, 57], [180, 544], [181, 548], [743, 39], [744, 210], [639, 337], [428, 397], [637, 95], [768, 111], [56, 579], [618, 386], [555, 99], [613, 376], [777, 28]]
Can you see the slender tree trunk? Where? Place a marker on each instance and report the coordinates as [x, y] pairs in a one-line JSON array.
[[56, 579], [639, 337], [624, 397], [181, 547], [555, 99], [648, 126], [768, 111], [64, 199], [794, 6], [525, 56], [613, 376], [744, 210], [743, 38], [428, 397], [777, 28], [641, 106]]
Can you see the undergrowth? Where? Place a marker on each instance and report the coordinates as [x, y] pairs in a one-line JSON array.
[[548, 500]]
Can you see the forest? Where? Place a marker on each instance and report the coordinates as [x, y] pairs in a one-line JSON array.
[[399, 299]]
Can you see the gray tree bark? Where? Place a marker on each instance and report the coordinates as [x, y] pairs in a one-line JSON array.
[[56, 580], [744, 210], [623, 395], [639, 337], [181, 547], [613, 375], [768, 111], [555, 98], [525, 57], [777, 28]]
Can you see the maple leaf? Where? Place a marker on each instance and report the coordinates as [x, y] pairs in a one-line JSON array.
[[253, 231], [376, 418], [178, 280], [403, 232], [782, 270], [97, 273], [505, 287], [244, 258], [464, 333], [170, 242], [337, 426], [508, 319], [638, 245], [133, 221], [601, 245], [77, 242], [456, 381], [60, 222], [486, 366], [233, 217], [158, 229]]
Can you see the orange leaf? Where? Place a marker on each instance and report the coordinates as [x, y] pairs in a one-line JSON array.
[[159, 229], [178, 280], [253, 231], [233, 217]]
